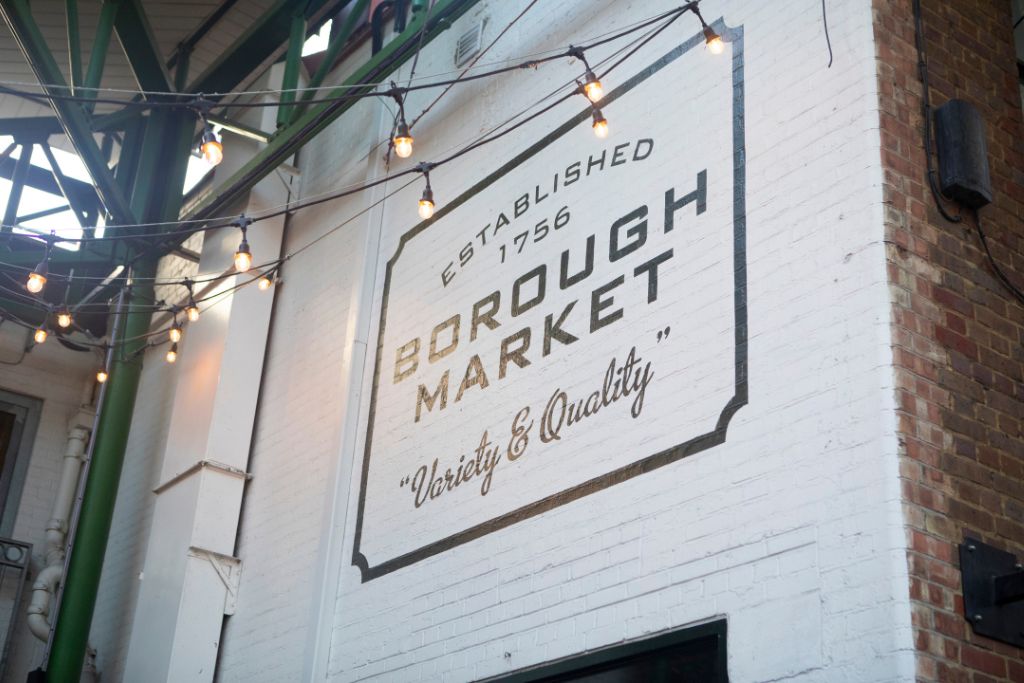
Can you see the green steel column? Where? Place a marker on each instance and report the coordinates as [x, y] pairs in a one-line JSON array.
[[156, 197], [72, 630]]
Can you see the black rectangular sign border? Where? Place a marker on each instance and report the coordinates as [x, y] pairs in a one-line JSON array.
[[651, 462]]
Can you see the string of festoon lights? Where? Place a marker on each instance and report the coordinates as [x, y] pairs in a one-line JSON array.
[[402, 143]]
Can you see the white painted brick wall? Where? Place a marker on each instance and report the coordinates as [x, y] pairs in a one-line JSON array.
[[129, 533], [58, 377], [791, 529]]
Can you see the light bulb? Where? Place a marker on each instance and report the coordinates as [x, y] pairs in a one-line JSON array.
[[36, 282], [174, 334], [192, 311], [213, 152], [172, 353], [426, 208], [64, 318], [592, 87], [211, 148], [101, 376], [403, 141], [600, 124], [243, 258], [40, 335], [714, 42], [264, 283], [427, 202]]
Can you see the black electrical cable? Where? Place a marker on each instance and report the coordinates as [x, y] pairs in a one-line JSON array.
[[673, 16], [1000, 275], [200, 101], [828, 41], [273, 266], [926, 115]]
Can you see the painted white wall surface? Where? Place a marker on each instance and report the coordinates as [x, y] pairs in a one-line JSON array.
[[129, 533], [58, 377], [790, 529]]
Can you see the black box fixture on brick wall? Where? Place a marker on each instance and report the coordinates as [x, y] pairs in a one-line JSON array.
[[963, 154], [993, 583]]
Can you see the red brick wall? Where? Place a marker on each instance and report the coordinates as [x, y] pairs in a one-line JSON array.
[[958, 336]]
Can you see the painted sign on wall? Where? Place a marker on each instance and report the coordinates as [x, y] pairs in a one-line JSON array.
[[576, 319]]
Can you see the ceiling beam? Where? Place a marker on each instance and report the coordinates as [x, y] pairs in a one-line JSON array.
[[141, 48], [40, 179], [257, 46], [72, 117], [291, 138]]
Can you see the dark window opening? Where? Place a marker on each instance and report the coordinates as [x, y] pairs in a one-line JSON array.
[[693, 655]]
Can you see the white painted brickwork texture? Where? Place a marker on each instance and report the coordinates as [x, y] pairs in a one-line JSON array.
[[790, 530], [58, 377]]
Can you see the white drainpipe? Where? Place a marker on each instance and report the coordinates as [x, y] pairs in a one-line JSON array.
[[45, 586]]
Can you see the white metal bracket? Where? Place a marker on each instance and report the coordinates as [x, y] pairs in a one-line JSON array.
[[228, 568]]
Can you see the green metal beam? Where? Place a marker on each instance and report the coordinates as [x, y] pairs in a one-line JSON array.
[[45, 126], [41, 179], [74, 42], [100, 44], [183, 59], [256, 46], [337, 44], [25, 218], [21, 168], [73, 118], [292, 64], [34, 126], [80, 211], [140, 47], [290, 139]]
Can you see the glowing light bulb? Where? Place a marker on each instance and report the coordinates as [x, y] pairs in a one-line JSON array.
[[426, 208], [592, 87], [600, 124], [427, 202], [192, 311], [64, 318], [40, 335], [101, 376], [213, 152], [212, 149], [174, 334], [403, 141], [243, 258], [172, 354], [714, 42], [264, 283], [36, 282]]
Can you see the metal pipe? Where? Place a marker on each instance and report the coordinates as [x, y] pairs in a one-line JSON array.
[[69, 540]]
